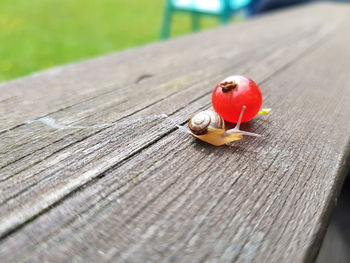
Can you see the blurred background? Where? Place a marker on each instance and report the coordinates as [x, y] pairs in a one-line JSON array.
[[39, 34]]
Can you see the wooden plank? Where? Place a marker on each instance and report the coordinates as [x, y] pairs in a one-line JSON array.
[[86, 112], [148, 191], [18, 186], [81, 112]]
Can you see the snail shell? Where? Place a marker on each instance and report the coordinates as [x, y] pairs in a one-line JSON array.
[[204, 121]]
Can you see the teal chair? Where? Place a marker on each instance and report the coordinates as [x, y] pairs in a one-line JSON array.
[[220, 8]]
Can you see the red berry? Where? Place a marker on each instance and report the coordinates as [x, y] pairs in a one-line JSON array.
[[232, 93]]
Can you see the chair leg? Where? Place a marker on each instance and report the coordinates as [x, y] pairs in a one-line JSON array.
[[195, 21], [165, 31]]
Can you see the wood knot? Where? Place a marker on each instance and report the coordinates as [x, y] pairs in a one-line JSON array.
[[227, 86]]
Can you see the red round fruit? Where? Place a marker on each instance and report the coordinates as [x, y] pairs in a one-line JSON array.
[[234, 92]]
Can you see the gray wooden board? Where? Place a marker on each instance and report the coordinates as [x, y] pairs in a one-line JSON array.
[[142, 190]]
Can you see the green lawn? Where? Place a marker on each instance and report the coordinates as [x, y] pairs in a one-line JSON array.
[[38, 34]]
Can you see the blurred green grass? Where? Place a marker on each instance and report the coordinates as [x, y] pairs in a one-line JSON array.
[[38, 34]]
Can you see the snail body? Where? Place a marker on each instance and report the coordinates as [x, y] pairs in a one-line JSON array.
[[209, 126]]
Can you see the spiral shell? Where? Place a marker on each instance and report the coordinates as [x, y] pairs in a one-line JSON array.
[[202, 121]]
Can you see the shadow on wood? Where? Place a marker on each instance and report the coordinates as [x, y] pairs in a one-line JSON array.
[[336, 245]]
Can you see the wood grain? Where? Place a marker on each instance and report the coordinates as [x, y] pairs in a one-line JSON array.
[[142, 190]]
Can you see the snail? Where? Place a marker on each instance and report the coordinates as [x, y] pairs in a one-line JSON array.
[[209, 126]]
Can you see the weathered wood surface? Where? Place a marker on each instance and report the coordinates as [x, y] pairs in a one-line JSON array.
[[142, 190]]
